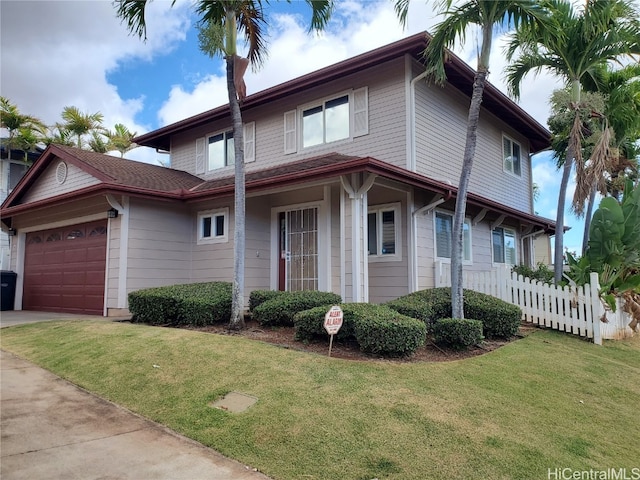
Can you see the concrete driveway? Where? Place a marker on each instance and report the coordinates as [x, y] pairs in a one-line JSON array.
[[18, 317], [52, 429]]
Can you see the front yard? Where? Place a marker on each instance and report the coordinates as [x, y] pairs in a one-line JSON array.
[[543, 402]]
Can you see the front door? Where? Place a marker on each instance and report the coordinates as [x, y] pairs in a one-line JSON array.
[[298, 243]]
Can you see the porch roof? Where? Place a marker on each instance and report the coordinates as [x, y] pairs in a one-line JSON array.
[[121, 176]]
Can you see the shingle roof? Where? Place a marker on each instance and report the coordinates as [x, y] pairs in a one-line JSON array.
[[121, 171], [303, 167]]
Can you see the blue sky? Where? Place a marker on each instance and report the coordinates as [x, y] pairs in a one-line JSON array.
[[77, 53]]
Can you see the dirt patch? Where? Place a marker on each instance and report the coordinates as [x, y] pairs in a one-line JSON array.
[[284, 337]]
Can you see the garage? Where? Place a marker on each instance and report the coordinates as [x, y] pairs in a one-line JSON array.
[[64, 269]]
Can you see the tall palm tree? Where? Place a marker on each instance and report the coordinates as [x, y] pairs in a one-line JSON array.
[[121, 139], [578, 43], [17, 124], [219, 22], [81, 124], [489, 16]]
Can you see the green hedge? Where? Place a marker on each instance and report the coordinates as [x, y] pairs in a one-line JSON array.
[[258, 297], [189, 304], [390, 333], [499, 318], [457, 332], [281, 309], [376, 328]]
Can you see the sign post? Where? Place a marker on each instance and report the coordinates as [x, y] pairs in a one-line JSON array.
[[332, 323]]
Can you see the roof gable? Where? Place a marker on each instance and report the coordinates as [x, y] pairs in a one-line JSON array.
[[98, 171]]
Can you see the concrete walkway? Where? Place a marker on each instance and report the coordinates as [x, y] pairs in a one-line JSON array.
[[52, 429]]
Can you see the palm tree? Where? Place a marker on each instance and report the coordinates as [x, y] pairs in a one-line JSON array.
[[488, 15], [58, 135], [121, 139], [621, 89], [219, 23], [81, 124], [17, 124], [578, 43]]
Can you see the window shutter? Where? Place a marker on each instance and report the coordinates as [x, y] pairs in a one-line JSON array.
[[249, 142], [290, 132], [200, 151], [360, 112]]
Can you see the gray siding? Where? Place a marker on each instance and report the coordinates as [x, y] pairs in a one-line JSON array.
[[389, 279], [441, 118], [47, 185], [386, 139], [159, 248]]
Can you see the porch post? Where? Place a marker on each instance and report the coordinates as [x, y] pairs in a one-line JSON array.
[[356, 188]]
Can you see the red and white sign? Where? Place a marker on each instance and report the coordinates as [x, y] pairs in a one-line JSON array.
[[333, 320]]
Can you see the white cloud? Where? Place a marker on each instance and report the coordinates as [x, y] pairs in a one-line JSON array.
[[60, 55]]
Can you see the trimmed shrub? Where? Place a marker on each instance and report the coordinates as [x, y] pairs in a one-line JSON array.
[[258, 297], [376, 328], [189, 304], [457, 332], [499, 318], [390, 333], [281, 309], [310, 323]]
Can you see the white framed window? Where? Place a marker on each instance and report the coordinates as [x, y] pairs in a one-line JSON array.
[[503, 242], [217, 150], [220, 150], [511, 155], [213, 226], [333, 119], [443, 228], [383, 232]]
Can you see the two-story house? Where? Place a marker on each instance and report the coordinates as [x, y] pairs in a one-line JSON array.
[[350, 187]]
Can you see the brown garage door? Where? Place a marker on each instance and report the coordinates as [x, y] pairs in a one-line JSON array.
[[64, 269]]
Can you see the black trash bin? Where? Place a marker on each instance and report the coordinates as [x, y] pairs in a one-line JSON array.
[[7, 289]]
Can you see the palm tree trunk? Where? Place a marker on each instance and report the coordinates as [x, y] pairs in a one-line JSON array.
[[237, 303], [572, 151], [558, 254], [587, 220], [457, 300]]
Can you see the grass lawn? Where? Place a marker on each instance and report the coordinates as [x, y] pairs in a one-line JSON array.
[[549, 400]]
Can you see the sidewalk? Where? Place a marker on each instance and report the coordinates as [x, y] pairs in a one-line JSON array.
[[53, 430]]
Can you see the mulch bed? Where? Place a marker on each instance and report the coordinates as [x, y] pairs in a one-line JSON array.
[[284, 337]]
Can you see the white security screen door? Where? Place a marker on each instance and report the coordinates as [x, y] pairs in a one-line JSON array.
[[299, 249]]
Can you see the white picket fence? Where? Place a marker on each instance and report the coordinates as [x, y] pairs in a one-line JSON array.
[[573, 310]]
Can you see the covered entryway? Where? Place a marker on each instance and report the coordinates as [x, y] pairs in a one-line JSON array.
[[298, 266], [64, 269]]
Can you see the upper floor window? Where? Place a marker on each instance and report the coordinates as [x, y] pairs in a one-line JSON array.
[[220, 152], [332, 119], [443, 230], [212, 226], [504, 246], [383, 232], [511, 155], [326, 123]]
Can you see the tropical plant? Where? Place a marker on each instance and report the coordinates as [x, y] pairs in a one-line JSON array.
[[622, 114], [219, 23], [81, 124], [121, 139], [489, 16], [578, 41], [614, 252], [23, 129]]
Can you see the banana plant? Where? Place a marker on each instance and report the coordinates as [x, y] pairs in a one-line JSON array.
[[614, 252]]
